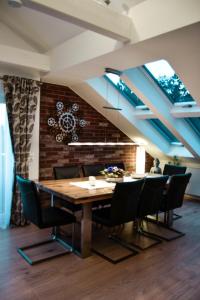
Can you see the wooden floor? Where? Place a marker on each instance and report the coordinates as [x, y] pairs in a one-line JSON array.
[[170, 270]]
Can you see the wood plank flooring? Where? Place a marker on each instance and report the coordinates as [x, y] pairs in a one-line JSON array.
[[168, 271]]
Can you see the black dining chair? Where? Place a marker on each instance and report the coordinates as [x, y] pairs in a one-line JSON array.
[[92, 170], [43, 218], [150, 202], [67, 172], [173, 199], [123, 209], [174, 170]]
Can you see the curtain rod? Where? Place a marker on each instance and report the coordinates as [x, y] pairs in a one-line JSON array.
[[40, 82]]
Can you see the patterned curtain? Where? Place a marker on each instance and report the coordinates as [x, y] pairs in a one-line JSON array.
[[21, 101]]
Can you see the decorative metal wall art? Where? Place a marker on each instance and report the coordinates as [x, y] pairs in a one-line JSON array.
[[66, 124]]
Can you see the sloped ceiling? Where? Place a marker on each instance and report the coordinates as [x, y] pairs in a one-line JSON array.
[[45, 45], [41, 31]]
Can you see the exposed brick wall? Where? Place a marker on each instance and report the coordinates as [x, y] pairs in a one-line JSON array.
[[53, 153]]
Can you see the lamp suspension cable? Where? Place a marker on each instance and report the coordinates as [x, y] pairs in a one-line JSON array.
[[103, 144]]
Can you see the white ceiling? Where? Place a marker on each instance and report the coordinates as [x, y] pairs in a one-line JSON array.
[[121, 6], [42, 31], [71, 54]]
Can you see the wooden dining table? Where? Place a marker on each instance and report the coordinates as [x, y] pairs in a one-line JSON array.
[[65, 189]]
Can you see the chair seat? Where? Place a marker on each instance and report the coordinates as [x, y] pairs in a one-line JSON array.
[[53, 216], [102, 216]]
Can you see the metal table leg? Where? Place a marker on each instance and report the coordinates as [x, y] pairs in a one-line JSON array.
[[170, 218], [86, 230]]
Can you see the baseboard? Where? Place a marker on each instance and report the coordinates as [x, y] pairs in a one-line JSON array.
[[192, 197]]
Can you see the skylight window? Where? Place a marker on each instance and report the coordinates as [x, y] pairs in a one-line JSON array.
[[124, 89], [164, 131], [169, 82], [195, 124]]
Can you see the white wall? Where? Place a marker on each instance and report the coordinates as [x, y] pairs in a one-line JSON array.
[[34, 153], [194, 184]]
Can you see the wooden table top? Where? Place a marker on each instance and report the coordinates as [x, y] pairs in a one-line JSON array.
[[63, 189], [77, 195]]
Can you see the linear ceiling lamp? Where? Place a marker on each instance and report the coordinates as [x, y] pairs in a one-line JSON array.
[[103, 144]]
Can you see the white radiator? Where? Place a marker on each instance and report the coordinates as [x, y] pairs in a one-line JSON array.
[[194, 186]]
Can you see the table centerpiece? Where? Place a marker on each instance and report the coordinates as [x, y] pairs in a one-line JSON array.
[[113, 174]]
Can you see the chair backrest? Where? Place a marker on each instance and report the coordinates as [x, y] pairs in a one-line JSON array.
[[125, 200], [176, 190], [152, 195], [173, 170], [120, 165], [92, 170], [30, 200], [66, 172]]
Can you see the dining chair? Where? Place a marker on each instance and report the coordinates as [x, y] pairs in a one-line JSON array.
[[123, 209], [173, 199], [149, 204], [43, 218], [174, 170], [151, 195], [67, 172], [92, 170]]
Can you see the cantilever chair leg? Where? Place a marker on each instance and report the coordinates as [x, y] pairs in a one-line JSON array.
[[176, 216], [112, 236], [178, 234], [164, 225], [140, 232], [146, 234], [67, 249], [123, 244]]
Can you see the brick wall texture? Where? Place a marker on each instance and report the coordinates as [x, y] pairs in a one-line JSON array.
[[98, 128]]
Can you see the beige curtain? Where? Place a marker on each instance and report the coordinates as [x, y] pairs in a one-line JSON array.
[[21, 101]]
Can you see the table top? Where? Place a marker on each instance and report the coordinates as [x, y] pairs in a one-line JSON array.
[[63, 188]]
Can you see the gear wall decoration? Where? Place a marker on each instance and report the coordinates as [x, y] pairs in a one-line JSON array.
[[66, 123]]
